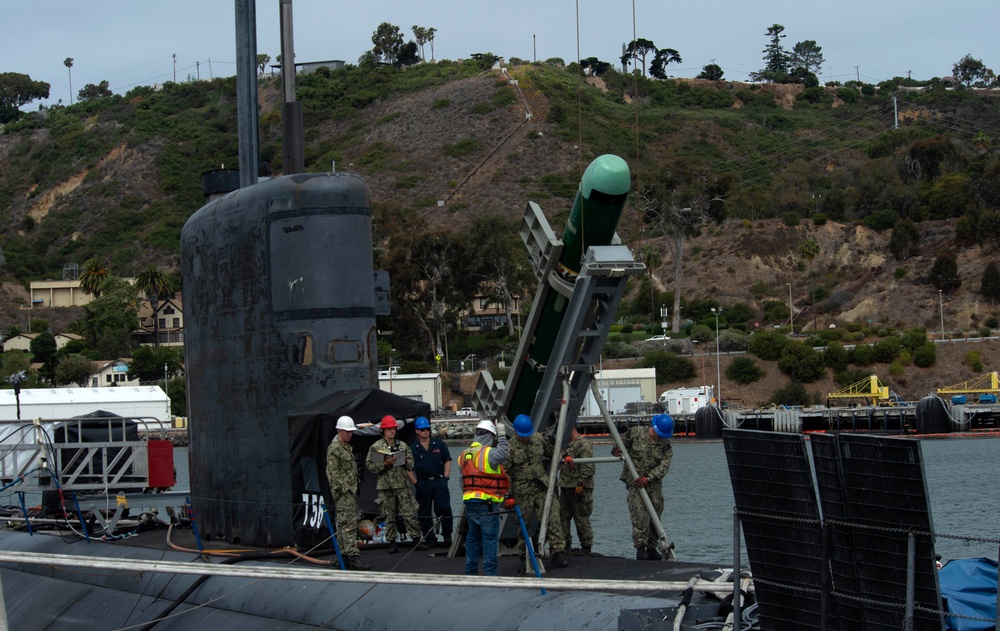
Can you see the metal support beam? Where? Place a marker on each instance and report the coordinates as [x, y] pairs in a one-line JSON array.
[[246, 90]]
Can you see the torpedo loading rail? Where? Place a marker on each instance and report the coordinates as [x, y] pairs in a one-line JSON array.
[[570, 319]]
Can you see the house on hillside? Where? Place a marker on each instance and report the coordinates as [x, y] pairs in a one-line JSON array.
[[163, 322], [484, 315], [108, 373], [22, 342]]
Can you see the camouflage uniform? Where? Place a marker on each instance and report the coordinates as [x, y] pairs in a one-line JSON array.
[[576, 492], [651, 460], [342, 472], [395, 499], [528, 482]]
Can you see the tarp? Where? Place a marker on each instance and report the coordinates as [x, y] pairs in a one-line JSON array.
[[311, 429], [969, 588]]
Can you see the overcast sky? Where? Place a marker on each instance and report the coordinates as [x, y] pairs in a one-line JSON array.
[[132, 42]]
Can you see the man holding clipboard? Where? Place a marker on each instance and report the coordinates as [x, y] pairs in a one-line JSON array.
[[392, 463]]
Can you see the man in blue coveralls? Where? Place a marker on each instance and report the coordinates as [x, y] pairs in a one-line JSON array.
[[432, 466]]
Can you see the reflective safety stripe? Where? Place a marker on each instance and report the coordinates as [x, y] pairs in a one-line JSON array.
[[480, 481]]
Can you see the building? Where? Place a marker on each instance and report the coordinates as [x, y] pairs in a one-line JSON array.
[[620, 387], [58, 293], [484, 315], [424, 387], [110, 373], [307, 67], [62, 403], [163, 321], [22, 341]]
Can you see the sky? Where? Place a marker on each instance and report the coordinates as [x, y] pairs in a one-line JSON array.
[[134, 42]]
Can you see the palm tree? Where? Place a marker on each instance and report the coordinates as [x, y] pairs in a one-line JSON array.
[[12, 331], [94, 274], [650, 257], [430, 38], [154, 282], [68, 62]]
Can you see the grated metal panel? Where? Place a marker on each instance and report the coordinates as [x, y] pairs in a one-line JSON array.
[[848, 613], [776, 502], [883, 492]]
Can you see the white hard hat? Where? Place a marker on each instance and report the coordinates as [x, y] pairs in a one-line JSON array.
[[346, 423], [488, 426]]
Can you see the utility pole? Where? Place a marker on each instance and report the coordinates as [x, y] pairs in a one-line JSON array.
[[858, 71], [908, 74], [197, 69], [534, 49]]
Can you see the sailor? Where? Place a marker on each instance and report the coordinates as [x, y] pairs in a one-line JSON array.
[[392, 462], [342, 472], [576, 490], [529, 482], [432, 467], [484, 485], [650, 451]]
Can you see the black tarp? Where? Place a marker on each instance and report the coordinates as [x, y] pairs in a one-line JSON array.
[[312, 427]]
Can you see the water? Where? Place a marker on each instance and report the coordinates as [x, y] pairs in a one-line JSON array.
[[962, 480]]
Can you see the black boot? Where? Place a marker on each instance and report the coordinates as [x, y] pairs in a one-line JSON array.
[[584, 549], [558, 560], [355, 563], [393, 547], [642, 554], [654, 554]]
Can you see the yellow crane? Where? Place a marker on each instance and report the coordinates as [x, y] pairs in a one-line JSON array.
[[983, 384], [868, 388]]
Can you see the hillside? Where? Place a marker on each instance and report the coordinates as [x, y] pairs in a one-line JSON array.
[[444, 144]]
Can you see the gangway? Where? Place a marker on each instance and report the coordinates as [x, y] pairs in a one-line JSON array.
[[869, 388]]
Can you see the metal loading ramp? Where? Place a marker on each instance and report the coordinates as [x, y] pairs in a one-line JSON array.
[[777, 508], [849, 567], [880, 492]]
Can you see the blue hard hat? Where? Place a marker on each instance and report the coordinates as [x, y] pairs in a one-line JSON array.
[[523, 426], [422, 423], [663, 425]]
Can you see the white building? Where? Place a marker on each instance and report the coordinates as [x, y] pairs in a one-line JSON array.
[[62, 403], [424, 387], [620, 387]]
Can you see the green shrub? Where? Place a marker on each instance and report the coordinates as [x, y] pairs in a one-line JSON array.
[[836, 357], [974, 361], [440, 104], [896, 369], [862, 355], [819, 219], [792, 394], [670, 367], [482, 108], [899, 273], [461, 148], [744, 370], [881, 220], [801, 363], [848, 95], [767, 345], [925, 355], [790, 219], [992, 322]]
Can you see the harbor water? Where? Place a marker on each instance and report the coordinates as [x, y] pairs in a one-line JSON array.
[[962, 480]]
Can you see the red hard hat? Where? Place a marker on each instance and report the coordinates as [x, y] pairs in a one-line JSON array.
[[388, 423]]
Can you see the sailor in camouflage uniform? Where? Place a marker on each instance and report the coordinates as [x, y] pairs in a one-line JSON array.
[[650, 450], [529, 481], [342, 473], [395, 499], [576, 490]]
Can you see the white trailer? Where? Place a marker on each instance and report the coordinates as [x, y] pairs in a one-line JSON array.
[[146, 402], [617, 393], [687, 400]]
